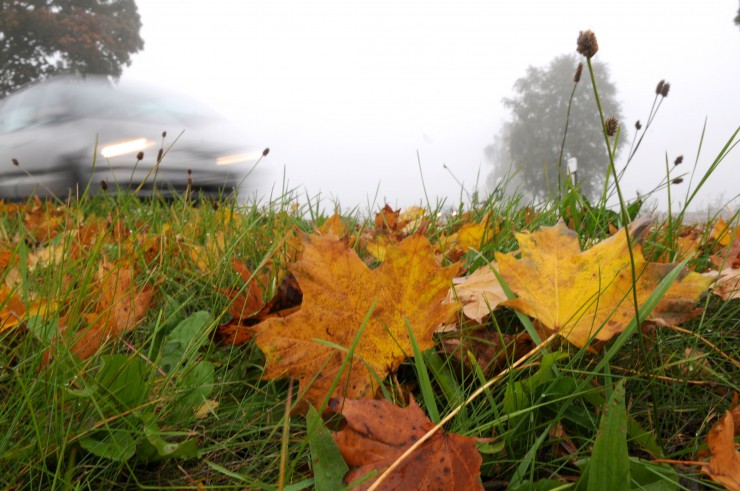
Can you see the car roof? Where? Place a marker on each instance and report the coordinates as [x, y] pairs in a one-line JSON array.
[[96, 96]]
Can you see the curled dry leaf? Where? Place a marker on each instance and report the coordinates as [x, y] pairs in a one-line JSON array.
[[387, 218], [378, 432], [239, 329], [728, 283], [586, 294], [724, 464], [339, 292], [479, 292]]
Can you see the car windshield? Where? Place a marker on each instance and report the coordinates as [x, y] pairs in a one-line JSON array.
[[134, 103], [60, 100]]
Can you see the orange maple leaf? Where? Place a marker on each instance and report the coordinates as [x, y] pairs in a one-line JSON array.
[[12, 309], [118, 309], [387, 218], [339, 291], [378, 432], [586, 294], [334, 225]]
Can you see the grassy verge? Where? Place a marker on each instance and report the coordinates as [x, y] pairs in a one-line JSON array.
[[170, 405]]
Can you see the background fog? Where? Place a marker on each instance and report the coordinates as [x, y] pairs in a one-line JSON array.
[[345, 93]]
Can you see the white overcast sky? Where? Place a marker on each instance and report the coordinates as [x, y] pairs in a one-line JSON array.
[[346, 92]]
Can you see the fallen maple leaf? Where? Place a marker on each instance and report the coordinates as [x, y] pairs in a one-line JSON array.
[[339, 291], [391, 226], [586, 294], [687, 242], [378, 432], [387, 218], [118, 309], [729, 256], [724, 464], [479, 292], [12, 309], [724, 233], [471, 235], [334, 225]]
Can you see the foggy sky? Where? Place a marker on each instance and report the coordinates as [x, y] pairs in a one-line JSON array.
[[345, 93]]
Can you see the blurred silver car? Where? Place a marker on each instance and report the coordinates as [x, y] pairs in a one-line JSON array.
[[64, 135]]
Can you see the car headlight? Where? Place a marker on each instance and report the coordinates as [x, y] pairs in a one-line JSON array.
[[238, 158], [123, 148]]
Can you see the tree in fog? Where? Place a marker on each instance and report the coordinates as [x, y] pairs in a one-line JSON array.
[[39, 38], [528, 146]]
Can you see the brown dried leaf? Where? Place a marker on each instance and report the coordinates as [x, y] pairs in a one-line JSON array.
[[378, 432]]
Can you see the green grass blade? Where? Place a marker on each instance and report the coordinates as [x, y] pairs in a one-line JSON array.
[[425, 384]]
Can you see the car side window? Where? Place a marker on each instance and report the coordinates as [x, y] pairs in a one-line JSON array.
[[32, 108], [15, 113]]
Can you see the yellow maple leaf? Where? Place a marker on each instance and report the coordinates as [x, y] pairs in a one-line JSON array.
[[724, 233], [339, 290], [586, 294]]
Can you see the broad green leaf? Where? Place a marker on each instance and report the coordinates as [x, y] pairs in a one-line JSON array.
[[42, 329], [156, 447], [543, 485], [329, 467], [609, 468], [194, 387], [117, 445], [187, 337], [121, 381], [647, 476]]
